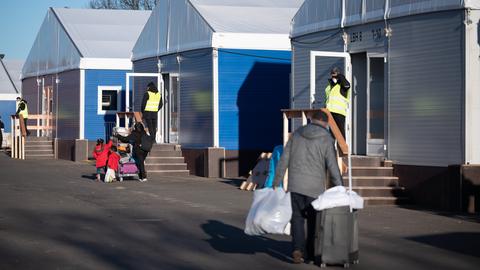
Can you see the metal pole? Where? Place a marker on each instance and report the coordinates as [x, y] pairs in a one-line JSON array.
[[127, 94]]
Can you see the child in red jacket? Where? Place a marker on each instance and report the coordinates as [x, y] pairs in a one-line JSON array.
[[112, 164], [101, 156]]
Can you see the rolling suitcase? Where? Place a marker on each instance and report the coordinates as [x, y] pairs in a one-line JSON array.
[[336, 237]]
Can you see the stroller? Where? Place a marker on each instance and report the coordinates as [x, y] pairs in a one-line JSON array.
[[126, 166]]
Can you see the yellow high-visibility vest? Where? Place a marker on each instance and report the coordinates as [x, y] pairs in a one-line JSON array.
[[335, 102], [153, 101], [24, 112]]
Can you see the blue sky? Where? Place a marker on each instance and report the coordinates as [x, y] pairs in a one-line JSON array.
[[20, 21]]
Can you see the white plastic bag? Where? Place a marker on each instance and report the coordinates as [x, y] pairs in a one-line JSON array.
[[109, 176], [338, 196], [259, 196], [270, 212]]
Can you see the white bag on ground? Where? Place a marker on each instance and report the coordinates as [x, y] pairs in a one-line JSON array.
[[109, 176], [270, 212], [338, 196]]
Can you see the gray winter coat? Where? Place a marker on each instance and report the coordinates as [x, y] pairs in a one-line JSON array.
[[308, 154]]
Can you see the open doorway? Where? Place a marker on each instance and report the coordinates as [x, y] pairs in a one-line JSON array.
[[376, 105], [369, 97], [171, 105]]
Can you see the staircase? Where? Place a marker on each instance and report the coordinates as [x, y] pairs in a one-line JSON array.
[[39, 148], [373, 179], [166, 160]]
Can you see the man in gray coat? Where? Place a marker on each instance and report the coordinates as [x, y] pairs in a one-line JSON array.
[[308, 155]]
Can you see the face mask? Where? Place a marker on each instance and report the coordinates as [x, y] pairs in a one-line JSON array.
[[334, 80]]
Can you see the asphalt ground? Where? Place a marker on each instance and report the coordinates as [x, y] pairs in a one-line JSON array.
[[54, 216]]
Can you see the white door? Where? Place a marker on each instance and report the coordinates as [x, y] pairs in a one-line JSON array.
[[321, 63], [376, 109]]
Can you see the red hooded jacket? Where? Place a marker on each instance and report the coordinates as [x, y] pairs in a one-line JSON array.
[[101, 154], [113, 160]]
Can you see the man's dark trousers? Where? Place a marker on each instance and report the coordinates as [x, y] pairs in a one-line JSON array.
[[151, 120], [302, 209]]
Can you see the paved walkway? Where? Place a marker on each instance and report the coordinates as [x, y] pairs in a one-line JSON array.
[[53, 216]]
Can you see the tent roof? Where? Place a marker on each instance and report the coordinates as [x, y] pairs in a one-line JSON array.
[[176, 26], [10, 82], [78, 38], [316, 15], [102, 33]]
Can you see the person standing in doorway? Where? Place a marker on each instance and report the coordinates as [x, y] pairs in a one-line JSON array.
[[23, 111], [337, 96], [151, 104], [308, 155]]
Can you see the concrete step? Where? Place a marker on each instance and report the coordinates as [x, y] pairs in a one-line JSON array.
[[163, 160], [380, 191], [38, 146], [166, 167], [371, 201], [165, 147], [371, 171], [38, 139], [364, 161], [168, 173], [162, 153], [39, 157], [30, 152], [372, 181]]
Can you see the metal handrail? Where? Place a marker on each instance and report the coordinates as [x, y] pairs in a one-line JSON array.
[[18, 136]]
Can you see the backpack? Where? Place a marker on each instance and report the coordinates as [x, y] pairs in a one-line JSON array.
[[146, 142]]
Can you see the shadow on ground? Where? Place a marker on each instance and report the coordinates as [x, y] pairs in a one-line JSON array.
[[230, 239], [461, 242]]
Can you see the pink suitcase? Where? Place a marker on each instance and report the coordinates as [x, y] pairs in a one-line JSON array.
[[128, 168]]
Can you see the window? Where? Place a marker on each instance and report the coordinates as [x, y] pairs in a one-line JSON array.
[[109, 99]]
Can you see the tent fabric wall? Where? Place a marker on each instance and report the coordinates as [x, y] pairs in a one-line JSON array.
[[196, 99], [69, 35], [67, 98], [426, 106], [95, 124], [253, 88], [177, 26], [52, 50], [195, 72], [316, 15]]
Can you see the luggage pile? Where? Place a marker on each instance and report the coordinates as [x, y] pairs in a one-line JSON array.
[[126, 166]]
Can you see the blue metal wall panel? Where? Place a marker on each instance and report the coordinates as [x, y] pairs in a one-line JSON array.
[[254, 85], [7, 108], [95, 124], [196, 93], [196, 99]]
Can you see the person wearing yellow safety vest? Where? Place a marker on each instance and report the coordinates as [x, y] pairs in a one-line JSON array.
[[337, 96], [151, 104], [23, 111]]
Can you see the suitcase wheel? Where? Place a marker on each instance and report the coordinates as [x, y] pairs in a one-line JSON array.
[[346, 265], [323, 265], [356, 262]]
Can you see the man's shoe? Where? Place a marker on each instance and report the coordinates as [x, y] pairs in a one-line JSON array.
[[297, 257]]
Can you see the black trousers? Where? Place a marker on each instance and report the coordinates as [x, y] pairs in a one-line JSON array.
[[302, 209], [25, 120], [152, 126], [139, 155], [340, 120]]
